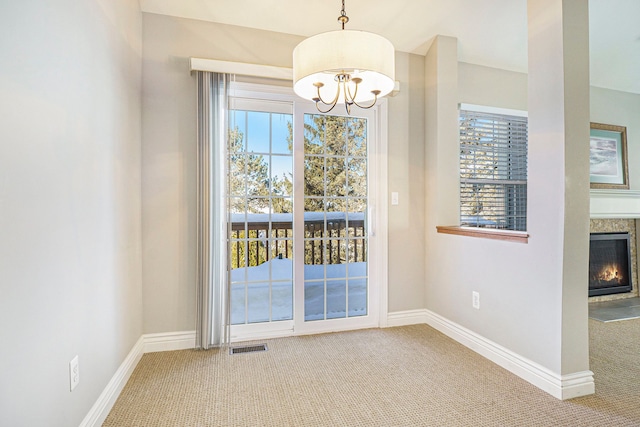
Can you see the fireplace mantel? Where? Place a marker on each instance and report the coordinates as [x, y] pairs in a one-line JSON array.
[[615, 204]]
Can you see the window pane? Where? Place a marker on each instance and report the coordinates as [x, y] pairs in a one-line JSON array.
[[335, 209], [336, 136], [281, 205], [493, 170], [238, 251], [237, 131], [282, 175], [238, 302], [357, 177], [357, 137], [314, 176], [336, 299], [257, 175], [282, 301], [237, 181], [313, 299], [314, 255], [258, 302], [357, 217], [281, 132], [357, 291], [258, 132], [336, 176], [313, 139]]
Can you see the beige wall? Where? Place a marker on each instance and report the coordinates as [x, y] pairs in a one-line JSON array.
[[493, 87], [169, 162], [407, 177], [169, 157], [533, 297], [70, 247]]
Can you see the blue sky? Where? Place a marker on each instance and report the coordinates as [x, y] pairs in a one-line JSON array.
[[261, 130]]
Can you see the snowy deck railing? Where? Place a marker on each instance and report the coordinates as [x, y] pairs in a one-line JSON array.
[[256, 238]]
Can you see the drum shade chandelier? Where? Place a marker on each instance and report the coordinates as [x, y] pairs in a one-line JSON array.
[[343, 67]]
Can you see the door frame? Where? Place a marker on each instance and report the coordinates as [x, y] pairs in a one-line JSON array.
[[377, 315]]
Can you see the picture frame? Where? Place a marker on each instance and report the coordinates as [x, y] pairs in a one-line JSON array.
[[608, 167]]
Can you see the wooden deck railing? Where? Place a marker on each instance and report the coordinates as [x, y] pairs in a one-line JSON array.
[[255, 239]]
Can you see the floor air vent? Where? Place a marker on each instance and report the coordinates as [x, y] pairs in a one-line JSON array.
[[248, 349]]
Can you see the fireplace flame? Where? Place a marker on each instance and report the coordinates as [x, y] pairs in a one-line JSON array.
[[610, 273]]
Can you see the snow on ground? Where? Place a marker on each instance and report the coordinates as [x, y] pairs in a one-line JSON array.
[[342, 280]]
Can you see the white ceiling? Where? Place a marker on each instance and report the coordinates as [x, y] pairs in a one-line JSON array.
[[489, 32]]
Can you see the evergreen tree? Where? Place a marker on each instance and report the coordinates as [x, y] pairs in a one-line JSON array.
[[336, 145], [248, 174], [333, 144]]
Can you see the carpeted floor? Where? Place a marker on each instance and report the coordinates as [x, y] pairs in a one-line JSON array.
[[406, 376]]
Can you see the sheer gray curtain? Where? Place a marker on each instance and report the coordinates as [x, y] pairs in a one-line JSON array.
[[212, 295]]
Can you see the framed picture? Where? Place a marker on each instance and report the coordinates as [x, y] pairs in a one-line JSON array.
[[608, 157]]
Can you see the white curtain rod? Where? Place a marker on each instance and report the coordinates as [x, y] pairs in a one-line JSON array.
[[241, 68], [254, 70]]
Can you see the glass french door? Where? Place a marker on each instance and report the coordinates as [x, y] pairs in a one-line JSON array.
[[299, 214], [332, 218]]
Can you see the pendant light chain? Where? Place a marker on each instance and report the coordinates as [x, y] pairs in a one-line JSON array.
[[343, 18]]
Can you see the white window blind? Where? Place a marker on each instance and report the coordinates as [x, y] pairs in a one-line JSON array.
[[493, 170]]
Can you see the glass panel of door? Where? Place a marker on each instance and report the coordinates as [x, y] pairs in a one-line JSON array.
[[260, 204], [335, 210]]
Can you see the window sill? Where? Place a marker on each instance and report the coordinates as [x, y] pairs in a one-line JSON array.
[[485, 233]]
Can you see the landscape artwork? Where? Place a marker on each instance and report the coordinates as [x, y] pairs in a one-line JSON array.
[[603, 157], [608, 157]]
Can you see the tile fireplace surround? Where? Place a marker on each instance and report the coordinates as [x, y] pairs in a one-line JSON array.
[[614, 226], [617, 211]]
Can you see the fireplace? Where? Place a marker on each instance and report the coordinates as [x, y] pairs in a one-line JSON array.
[[609, 264]]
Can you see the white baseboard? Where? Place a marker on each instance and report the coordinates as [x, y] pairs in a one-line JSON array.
[[404, 318], [169, 341], [107, 399], [576, 385], [148, 343], [560, 386]]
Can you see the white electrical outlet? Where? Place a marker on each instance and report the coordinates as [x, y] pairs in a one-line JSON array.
[[475, 300], [74, 372]]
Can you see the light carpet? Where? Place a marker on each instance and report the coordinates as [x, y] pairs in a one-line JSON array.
[[404, 376]]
